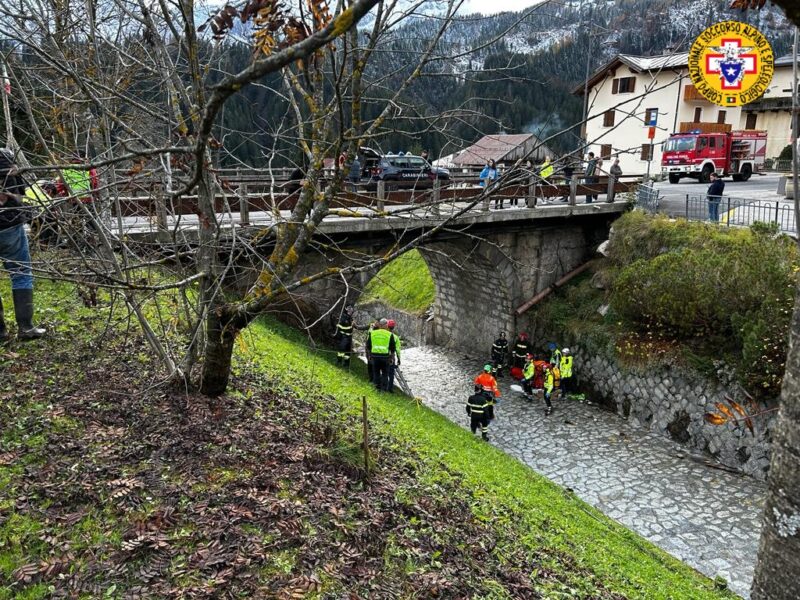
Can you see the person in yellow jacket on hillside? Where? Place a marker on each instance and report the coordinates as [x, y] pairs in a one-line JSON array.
[[381, 348], [44, 226]]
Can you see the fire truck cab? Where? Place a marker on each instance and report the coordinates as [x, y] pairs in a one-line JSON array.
[[697, 155]]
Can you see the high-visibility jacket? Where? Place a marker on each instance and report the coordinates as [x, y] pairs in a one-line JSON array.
[[478, 403], [556, 375], [549, 380], [381, 342], [396, 345], [547, 170], [555, 357], [529, 372], [566, 366], [488, 384], [36, 196]]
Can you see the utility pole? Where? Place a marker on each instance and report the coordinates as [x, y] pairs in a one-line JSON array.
[[584, 126], [795, 131]]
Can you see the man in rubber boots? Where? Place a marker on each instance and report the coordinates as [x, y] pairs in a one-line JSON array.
[[14, 251], [499, 354]]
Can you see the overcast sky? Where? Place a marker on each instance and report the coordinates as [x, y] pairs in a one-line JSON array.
[[488, 7]]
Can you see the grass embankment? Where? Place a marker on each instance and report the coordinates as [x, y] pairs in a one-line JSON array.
[[405, 284], [692, 292], [110, 487]]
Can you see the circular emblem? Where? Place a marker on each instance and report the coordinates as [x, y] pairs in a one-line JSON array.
[[731, 63]]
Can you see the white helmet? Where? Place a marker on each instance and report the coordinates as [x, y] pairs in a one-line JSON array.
[[565, 351]]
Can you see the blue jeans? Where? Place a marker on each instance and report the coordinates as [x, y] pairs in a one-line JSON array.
[[713, 209], [16, 257]]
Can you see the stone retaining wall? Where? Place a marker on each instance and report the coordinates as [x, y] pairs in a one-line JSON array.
[[672, 400]]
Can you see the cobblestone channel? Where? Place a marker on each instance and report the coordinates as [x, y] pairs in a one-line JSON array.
[[706, 517]]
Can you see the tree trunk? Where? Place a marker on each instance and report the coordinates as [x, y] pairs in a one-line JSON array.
[[221, 335], [777, 574]]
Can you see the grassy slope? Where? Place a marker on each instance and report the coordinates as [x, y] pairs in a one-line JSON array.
[[532, 510], [405, 284], [66, 421]]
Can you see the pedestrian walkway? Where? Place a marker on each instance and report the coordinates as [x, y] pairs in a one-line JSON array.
[[708, 518]]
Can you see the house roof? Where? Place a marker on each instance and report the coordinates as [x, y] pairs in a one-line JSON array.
[[640, 64], [496, 147]]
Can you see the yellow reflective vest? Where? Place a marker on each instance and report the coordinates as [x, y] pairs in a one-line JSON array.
[[36, 196], [566, 366], [379, 342], [547, 170], [549, 380]]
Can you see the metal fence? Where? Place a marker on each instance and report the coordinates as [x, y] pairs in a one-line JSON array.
[[727, 211]]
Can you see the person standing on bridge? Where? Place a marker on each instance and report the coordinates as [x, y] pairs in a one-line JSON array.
[[590, 176], [354, 175], [615, 172], [381, 347], [488, 176], [714, 196]]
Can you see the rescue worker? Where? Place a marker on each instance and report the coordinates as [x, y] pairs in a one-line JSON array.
[[546, 170], [555, 354], [381, 346], [499, 353], [566, 373], [370, 370], [528, 374], [485, 383], [396, 363], [549, 385], [344, 337], [522, 347], [44, 226], [478, 411]]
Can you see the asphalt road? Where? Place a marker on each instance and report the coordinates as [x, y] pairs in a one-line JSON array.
[[673, 196]]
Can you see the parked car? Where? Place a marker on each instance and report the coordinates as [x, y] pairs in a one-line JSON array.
[[402, 171]]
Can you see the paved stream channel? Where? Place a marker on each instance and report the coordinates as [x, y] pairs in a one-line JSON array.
[[707, 518]]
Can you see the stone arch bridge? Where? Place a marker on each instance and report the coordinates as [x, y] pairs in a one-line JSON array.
[[484, 264]]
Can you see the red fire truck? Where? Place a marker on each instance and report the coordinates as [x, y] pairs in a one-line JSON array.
[[695, 154]]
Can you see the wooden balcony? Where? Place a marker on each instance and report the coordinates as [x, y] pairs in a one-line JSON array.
[[690, 94], [705, 127]]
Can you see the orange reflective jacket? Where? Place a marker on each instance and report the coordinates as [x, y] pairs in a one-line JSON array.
[[488, 383]]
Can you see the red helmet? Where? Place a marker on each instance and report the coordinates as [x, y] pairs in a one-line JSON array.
[[390, 323], [523, 336]]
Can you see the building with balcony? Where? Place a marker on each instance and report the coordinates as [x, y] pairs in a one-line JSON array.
[[629, 92]]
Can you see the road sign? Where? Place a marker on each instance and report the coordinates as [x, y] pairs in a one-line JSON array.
[[652, 117], [651, 133]]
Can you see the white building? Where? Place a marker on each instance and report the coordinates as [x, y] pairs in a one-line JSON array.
[[627, 92]]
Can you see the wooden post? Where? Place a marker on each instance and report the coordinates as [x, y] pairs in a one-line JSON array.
[[244, 207], [437, 193], [573, 190], [365, 424], [381, 194], [530, 201], [161, 212]]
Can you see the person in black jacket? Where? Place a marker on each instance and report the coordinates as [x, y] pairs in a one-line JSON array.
[[499, 354], [714, 195], [14, 252]]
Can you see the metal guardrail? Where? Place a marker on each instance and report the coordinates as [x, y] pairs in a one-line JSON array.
[[728, 211]]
